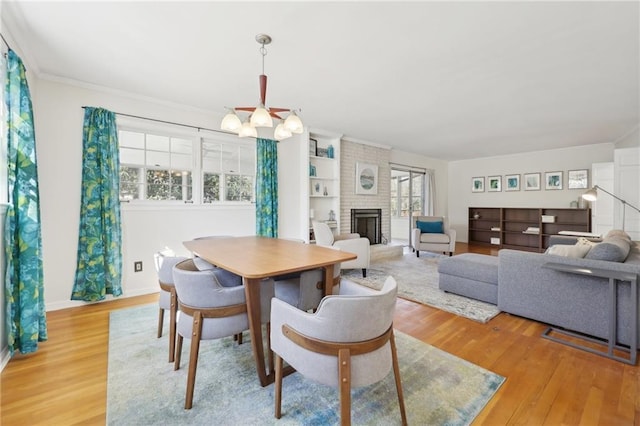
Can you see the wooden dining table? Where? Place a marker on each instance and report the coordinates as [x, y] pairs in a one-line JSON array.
[[257, 258]]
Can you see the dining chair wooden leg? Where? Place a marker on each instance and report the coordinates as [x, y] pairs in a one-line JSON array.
[[193, 358], [173, 317], [344, 379], [269, 351], [278, 387], [160, 322], [176, 364], [396, 373]]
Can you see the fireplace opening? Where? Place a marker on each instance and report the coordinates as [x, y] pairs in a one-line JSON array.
[[367, 223]]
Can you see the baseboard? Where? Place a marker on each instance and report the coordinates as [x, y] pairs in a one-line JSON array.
[[75, 303]]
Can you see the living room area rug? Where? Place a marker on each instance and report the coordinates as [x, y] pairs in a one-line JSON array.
[[143, 388], [417, 279]]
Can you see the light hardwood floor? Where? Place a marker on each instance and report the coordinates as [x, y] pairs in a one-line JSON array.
[[65, 381]]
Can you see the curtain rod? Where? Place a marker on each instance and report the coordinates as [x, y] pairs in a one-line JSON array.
[[408, 167], [168, 122]]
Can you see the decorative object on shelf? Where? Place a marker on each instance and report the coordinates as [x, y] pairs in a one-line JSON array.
[[322, 152], [512, 182], [582, 203], [313, 147], [592, 195], [261, 116], [330, 151], [574, 204], [578, 179], [325, 191], [312, 215], [316, 188], [476, 215], [312, 170], [332, 215], [548, 218], [477, 184], [532, 182], [366, 179], [553, 180], [495, 184]]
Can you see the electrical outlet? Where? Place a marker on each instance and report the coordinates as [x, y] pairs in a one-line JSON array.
[[137, 266]]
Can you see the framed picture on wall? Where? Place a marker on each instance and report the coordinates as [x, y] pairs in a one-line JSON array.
[[531, 181], [313, 146], [512, 183], [553, 180], [494, 184], [578, 179], [477, 184], [366, 178]]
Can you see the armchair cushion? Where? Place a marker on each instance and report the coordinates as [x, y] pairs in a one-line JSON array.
[[434, 238], [435, 227]]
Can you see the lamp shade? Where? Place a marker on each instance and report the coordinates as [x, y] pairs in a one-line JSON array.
[[281, 132], [261, 118], [590, 195], [231, 123], [293, 123], [247, 131]]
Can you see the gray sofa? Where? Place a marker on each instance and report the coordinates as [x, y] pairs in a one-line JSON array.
[[575, 302]]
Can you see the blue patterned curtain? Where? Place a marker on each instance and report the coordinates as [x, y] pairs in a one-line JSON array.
[[99, 267], [24, 284], [267, 188]]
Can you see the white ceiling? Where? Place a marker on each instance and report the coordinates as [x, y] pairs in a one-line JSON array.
[[449, 80]]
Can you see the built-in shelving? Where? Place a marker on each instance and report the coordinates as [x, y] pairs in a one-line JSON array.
[[324, 181], [523, 228]]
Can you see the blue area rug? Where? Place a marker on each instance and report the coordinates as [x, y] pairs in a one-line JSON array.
[[143, 388]]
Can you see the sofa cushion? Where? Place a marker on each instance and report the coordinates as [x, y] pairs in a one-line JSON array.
[[435, 227], [434, 238], [612, 249], [473, 266], [577, 251]]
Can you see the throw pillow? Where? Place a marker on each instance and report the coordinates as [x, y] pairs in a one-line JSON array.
[[612, 249], [617, 233], [431, 227], [576, 251]]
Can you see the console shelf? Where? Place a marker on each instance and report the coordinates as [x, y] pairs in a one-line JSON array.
[[523, 228]]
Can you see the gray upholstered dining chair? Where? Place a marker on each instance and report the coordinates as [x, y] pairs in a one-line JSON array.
[[348, 342], [305, 291], [210, 309], [168, 300]]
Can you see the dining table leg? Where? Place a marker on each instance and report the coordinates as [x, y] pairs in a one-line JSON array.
[[328, 280], [252, 294]]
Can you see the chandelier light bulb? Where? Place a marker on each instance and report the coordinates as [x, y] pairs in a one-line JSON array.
[[293, 123]]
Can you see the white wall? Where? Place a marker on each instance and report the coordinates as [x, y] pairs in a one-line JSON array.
[[59, 118], [461, 172]]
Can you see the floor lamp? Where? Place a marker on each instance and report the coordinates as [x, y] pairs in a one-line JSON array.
[[592, 195]]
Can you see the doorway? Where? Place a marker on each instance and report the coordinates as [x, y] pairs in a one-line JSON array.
[[408, 196]]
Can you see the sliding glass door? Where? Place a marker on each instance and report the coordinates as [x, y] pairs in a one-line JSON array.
[[408, 196]]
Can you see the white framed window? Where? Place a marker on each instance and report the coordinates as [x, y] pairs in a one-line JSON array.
[[159, 164]]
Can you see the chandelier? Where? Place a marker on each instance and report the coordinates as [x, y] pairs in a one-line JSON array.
[[261, 116]]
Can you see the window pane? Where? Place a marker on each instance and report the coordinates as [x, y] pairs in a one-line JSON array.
[[181, 161], [211, 188], [211, 156], [230, 159], [247, 160], [158, 143], [131, 156], [158, 159], [131, 139], [238, 188], [182, 146]]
